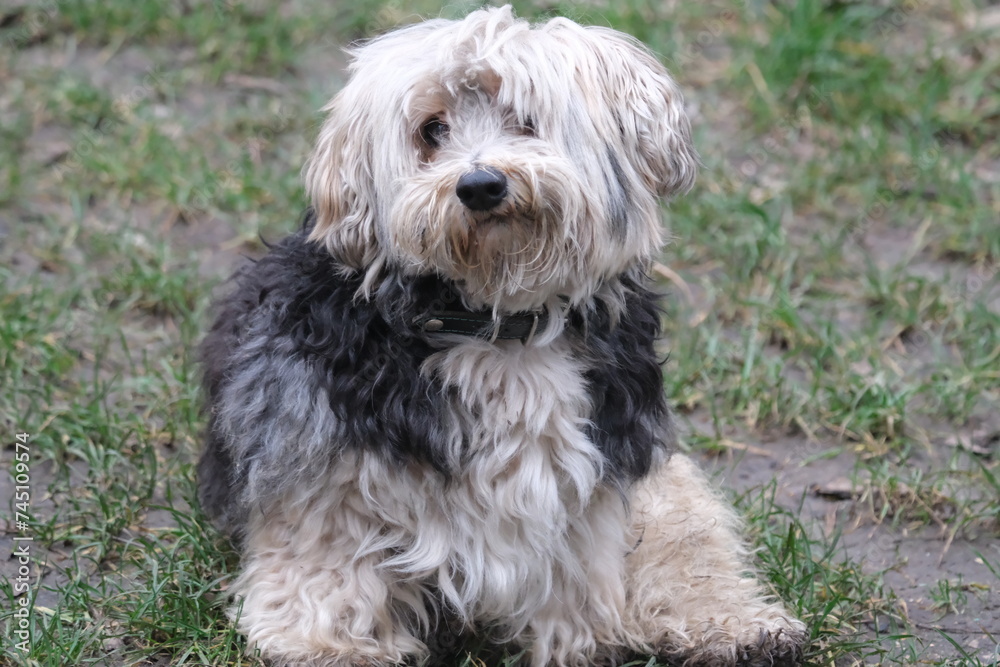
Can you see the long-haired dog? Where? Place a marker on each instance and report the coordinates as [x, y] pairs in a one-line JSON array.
[[440, 403]]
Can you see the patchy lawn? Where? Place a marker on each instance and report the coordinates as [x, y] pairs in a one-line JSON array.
[[833, 320]]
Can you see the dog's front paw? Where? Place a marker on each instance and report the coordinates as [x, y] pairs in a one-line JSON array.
[[760, 642], [780, 648]]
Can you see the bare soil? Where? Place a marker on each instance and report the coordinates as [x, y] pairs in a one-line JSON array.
[[830, 497]]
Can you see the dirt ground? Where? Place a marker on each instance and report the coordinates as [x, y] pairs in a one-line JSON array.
[[829, 497], [827, 492]]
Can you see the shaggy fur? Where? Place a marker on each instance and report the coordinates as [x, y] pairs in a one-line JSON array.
[[387, 483]]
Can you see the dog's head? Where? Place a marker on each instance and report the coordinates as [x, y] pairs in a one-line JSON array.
[[520, 162]]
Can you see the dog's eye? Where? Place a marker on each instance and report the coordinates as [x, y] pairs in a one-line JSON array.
[[527, 127], [434, 132]]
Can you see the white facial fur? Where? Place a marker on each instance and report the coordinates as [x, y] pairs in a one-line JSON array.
[[585, 124]]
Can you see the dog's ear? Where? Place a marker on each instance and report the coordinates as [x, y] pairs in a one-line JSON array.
[[655, 129], [338, 180]]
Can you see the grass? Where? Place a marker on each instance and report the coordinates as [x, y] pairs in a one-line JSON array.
[[837, 307]]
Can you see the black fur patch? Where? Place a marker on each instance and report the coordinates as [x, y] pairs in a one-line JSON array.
[[631, 418], [294, 312]]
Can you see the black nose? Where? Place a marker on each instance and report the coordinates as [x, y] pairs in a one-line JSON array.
[[482, 189]]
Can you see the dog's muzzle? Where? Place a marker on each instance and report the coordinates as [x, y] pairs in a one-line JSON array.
[[482, 189]]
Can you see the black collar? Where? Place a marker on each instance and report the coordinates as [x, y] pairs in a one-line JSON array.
[[481, 324]]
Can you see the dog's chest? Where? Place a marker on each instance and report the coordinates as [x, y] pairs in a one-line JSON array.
[[528, 506], [516, 410]]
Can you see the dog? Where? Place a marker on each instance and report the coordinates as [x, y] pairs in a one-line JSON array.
[[440, 404]]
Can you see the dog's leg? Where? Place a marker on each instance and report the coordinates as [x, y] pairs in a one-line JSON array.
[[580, 622], [311, 595], [689, 596]]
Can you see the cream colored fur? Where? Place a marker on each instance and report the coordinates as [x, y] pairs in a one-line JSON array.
[[381, 195], [689, 582], [529, 541]]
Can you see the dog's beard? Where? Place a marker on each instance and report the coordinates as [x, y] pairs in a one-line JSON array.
[[508, 256], [514, 256]]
